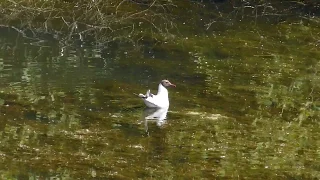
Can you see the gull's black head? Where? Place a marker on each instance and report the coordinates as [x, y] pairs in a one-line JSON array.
[[167, 83]]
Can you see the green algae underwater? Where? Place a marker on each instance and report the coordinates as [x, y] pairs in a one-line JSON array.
[[246, 105]]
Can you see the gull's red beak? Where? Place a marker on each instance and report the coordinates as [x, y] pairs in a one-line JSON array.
[[172, 85]]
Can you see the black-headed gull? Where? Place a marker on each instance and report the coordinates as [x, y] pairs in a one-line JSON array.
[[161, 100]]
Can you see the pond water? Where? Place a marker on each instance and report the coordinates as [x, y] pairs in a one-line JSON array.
[[246, 106]]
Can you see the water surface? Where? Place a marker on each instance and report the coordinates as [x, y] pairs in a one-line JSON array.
[[245, 107]]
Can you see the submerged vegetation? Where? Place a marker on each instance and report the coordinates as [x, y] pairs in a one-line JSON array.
[[246, 106]]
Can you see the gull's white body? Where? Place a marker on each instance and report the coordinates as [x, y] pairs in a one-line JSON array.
[[155, 113], [161, 99]]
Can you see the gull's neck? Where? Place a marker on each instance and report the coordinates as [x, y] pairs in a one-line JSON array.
[[162, 91]]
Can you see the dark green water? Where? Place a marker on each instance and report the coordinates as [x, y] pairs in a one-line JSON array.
[[246, 106]]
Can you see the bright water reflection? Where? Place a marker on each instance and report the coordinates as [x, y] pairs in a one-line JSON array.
[[154, 114]]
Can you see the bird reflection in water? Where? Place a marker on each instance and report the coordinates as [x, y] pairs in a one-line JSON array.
[[159, 115]]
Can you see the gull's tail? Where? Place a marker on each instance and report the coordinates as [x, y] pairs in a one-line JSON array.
[[148, 94]]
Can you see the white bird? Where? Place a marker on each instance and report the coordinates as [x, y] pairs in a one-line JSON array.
[[161, 100]]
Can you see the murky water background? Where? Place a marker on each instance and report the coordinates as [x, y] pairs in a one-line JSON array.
[[246, 106]]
